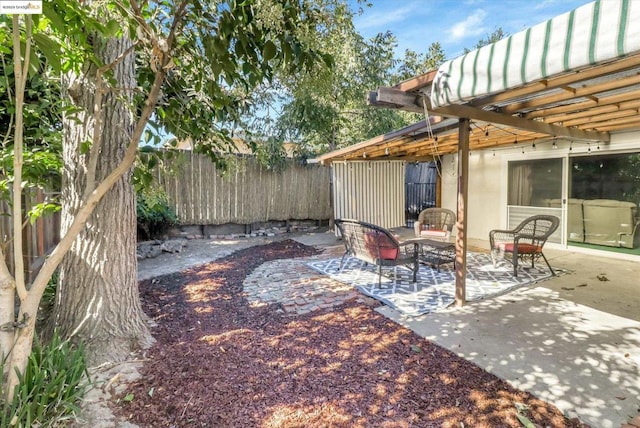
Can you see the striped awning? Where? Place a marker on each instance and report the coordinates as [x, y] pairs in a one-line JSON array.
[[577, 39]]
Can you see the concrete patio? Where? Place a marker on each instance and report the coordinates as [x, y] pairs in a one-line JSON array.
[[573, 340]]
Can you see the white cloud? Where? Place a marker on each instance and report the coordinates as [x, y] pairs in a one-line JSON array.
[[382, 19], [471, 26]]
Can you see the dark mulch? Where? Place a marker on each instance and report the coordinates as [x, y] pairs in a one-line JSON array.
[[219, 362]]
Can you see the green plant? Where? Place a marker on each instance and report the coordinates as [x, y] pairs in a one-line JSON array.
[[46, 303], [54, 382], [155, 215], [49, 295]]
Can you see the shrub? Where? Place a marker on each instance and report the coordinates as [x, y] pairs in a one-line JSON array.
[[51, 388], [155, 215], [46, 303]]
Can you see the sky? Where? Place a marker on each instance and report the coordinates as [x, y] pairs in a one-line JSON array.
[[456, 24]]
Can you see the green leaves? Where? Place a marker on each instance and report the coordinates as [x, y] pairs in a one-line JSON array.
[[269, 50], [39, 210], [50, 48], [154, 213], [51, 388], [227, 53]]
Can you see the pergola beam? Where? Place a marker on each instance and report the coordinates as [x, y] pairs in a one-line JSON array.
[[395, 98], [389, 97], [459, 110]]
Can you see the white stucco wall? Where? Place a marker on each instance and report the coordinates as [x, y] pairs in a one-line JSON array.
[[486, 208], [488, 177]]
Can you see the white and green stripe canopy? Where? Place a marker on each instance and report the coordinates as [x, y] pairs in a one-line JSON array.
[[593, 33]]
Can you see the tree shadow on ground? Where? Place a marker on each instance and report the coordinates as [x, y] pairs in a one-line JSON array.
[[220, 362]]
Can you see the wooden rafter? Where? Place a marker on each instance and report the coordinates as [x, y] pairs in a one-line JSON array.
[[417, 82], [602, 118], [583, 106], [616, 124], [604, 109], [573, 93], [561, 81]]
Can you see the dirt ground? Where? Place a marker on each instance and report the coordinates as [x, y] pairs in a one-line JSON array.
[[218, 361]]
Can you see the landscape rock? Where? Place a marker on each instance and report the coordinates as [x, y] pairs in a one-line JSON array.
[[173, 245], [148, 249]]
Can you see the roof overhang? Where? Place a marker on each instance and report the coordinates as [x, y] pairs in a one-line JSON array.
[[591, 96]]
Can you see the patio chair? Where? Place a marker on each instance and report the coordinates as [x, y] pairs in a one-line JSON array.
[[525, 242], [435, 222], [378, 246]]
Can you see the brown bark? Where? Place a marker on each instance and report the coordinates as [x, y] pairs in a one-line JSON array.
[[97, 301], [7, 309]]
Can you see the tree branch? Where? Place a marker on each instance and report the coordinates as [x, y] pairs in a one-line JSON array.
[[20, 83], [9, 126], [8, 86]]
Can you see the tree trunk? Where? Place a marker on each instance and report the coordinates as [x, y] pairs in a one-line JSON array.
[[7, 312], [97, 301]]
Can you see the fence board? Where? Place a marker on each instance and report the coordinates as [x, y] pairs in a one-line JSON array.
[[37, 238], [247, 193], [201, 196]]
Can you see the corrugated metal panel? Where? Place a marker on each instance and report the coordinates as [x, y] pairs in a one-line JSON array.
[[370, 191], [516, 214]]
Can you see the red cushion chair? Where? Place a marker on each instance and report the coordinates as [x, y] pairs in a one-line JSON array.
[[381, 246], [376, 245], [525, 242]]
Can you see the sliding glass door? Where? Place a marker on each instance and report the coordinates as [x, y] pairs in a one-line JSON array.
[[535, 187], [604, 191], [599, 207]]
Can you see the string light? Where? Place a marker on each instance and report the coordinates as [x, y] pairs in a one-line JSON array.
[[533, 146], [554, 145]]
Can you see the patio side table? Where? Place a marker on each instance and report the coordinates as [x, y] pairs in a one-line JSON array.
[[436, 253]]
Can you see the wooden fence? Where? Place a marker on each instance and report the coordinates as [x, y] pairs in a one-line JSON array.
[[246, 193], [37, 238]]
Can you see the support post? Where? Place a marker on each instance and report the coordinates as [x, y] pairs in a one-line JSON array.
[[461, 225]]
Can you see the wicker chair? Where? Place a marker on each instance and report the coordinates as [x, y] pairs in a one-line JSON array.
[[376, 245], [439, 220], [525, 242]]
